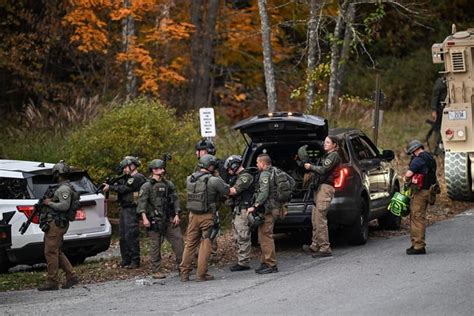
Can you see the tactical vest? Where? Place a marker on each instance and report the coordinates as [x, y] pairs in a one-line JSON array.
[[196, 189], [160, 197], [244, 199], [331, 175]]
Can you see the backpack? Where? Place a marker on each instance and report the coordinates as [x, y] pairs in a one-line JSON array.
[[196, 189], [284, 185], [75, 205]]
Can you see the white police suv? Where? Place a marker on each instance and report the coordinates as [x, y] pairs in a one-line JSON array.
[[22, 184]]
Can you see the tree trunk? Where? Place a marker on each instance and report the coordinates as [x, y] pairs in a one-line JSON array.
[[313, 48], [202, 50], [267, 56], [345, 50], [128, 31]]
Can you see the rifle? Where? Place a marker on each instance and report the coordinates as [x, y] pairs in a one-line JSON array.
[[215, 227], [37, 208], [109, 180]]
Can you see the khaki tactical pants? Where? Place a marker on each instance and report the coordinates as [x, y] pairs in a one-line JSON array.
[[322, 197], [197, 234], [419, 203], [55, 258], [174, 237], [265, 238], [241, 229]]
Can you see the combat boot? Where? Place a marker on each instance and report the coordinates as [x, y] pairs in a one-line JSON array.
[[238, 267], [70, 282], [267, 269], [158, 275], [322, 254], [413, 251], [309, 249], [205, 277], [184, 277], [133, 265], [48, 286]]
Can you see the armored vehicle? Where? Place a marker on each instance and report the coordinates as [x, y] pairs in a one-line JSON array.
[[457, 132]]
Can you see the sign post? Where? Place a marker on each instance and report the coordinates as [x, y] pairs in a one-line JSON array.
[[208, 123]]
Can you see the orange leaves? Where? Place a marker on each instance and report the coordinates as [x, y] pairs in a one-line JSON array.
[[169, 30], [144, 67], [89, 30], [137, 9]]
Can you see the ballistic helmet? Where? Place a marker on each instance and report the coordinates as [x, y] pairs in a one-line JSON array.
[[205, 144], [233, 163], [303, 153], [207, 161], [128, 160], [412, 146], [61, 167], [156, 163]]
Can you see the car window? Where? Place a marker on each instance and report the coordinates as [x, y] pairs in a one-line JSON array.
[[12, 188], [362, 149], [79, 181]]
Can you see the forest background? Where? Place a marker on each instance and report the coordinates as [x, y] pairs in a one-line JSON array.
[[91, 81]]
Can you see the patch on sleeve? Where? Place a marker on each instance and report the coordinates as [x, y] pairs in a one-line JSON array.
[[244, 179], [265, 180], [327, 162], [140, 193], [65, 195], [130, 181]]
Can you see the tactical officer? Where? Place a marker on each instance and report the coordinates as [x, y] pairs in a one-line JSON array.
[[421, 175], [203, 192], [127, 189], [438, 97], [159, 207], [264, 199], [325, 173], [207, 147], [54, 223], [243, 184]]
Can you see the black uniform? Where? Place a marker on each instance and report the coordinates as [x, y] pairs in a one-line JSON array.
[[127, 190]]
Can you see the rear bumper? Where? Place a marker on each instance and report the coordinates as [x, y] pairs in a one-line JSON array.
[[34, 253], [342, 212]]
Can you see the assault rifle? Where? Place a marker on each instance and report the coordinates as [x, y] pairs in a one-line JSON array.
[[37, 208], [109, 180]]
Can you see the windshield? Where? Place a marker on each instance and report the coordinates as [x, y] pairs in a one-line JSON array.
[[79, 180]]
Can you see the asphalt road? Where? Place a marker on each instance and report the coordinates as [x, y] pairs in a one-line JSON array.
[[375, 279]]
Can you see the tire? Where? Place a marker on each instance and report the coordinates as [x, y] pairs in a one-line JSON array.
[[390, 221], [77, 259], [359, 231], [458, 176], [4, 262]]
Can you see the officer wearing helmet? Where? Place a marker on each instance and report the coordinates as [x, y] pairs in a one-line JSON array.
[[159, 208], [420, 176], [207, 147], [243, 187], [54, 223], [203, 193], [127, 196]]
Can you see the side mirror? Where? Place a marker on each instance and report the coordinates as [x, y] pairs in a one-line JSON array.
[[388, 155]]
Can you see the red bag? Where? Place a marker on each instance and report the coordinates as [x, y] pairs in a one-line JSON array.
[[417, 179]]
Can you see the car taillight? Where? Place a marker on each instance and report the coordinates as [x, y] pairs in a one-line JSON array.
[[28, 210], [340, 180]]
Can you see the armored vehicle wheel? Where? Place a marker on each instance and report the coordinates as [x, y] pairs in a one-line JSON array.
[[457, 169]]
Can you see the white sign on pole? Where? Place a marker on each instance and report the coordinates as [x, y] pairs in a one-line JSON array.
[[208, 123]]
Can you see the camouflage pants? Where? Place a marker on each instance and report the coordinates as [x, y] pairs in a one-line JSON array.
[[419, 203], [241, 230], [322, 198], [174, 237], [197, 235], [55, 258], [265, 238]]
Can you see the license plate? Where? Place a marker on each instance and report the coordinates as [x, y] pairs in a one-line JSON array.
[[80, 215], [457, 115]]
